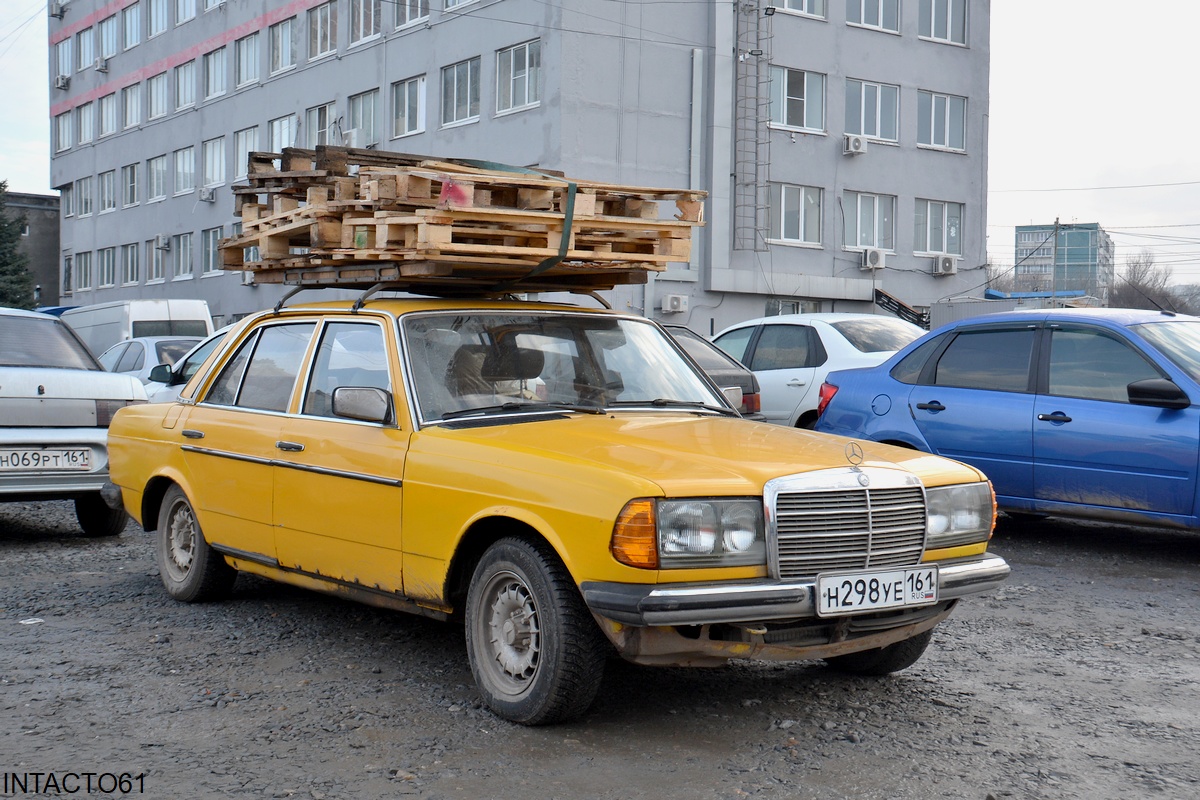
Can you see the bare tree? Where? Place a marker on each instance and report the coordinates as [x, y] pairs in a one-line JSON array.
[[1143, 284], [1000, 278]]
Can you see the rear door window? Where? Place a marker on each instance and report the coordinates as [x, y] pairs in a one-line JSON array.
[[263, 372], [786, 347], [987, 359]]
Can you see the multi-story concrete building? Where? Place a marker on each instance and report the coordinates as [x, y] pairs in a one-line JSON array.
[[843, 144], [1063, 257], [39, 241]]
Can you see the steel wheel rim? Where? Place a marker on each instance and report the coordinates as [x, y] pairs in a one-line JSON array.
[[510, 641], [181, 541]]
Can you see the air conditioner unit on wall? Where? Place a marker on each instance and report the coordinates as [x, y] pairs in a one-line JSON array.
[[872, 258], [57, 10], [162, 242], [854, 145], [674, 303], [101, 64], [350, 138], [62, 81], [945, 265], [248, 278], [208, 195]]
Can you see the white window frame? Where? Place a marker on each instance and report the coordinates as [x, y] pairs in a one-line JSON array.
[[63, 59], [807, 8], [106, 267], [857, 12], [245, 142], [788, 86], [213, 156], [408, 95], [366, 20], [410, 12], [106, 190], [519, 77], [873, 101], [210, 252], [131, 24], [185, 170], [185, 85], [931, 106], [129, 185], [83, 270], [158, 100], [131, 106], [110, 36], [944, 20], [216, 77], [245, 60], [319, 122], [156, 178], [282, 39], [86, 130], [796, 214], [936, 215], [157, 263], [157, 20], [460, 86], [130, 264], [363, 115], [85, 49], [83, 196], [64, 125], [182, 268], [185, 11], [322, 30], [108, 114], [281, 132], [66, 199], [881, 207]]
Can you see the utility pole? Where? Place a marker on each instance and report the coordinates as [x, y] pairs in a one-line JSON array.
[[1054, 269]]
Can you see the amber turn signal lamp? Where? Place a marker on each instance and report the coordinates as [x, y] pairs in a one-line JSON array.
[[634, 539]]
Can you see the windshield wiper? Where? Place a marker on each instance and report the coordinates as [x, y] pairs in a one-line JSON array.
[[505, 408], [663, 402]]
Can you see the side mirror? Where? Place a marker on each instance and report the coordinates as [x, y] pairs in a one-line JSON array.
[[365, 403], [1157, 392], [161, 373]]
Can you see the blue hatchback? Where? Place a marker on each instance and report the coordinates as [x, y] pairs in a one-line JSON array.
[[1075, 412]]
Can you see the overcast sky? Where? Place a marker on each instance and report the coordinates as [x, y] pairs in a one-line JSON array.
[[1091, 120]]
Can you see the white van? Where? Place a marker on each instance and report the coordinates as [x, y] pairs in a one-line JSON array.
[[104, 324]]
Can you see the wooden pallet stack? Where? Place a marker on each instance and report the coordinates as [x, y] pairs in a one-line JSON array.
[[352, 217]]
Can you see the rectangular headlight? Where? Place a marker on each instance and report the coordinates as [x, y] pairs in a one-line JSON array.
[[711, 533], [960, 514]]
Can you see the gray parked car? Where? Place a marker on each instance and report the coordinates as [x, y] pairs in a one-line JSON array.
[[55, 405]]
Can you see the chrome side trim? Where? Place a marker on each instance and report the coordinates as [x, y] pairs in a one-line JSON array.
[[274, 462]]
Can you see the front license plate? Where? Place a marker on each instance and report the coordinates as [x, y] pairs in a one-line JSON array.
[[841, 593], [62, 459]]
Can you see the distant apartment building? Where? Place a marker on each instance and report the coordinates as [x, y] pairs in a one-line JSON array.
[[1068, 257], [39, 241], [842, 145]]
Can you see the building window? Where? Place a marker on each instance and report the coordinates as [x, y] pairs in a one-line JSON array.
[[881, 14], [83, 196], [410, 11], [156, 17], [282, 132], [67, 276], [85, 47], [181, 255], [283, 45], [87, 123], [245, 142], [130, 267], [214, 73], [214, 161], [362, 117], [322, 30], [408, 106], [460, 92], [107, 183], [795, 213], [131, 21], [519, 76], [870, 220], [110, 37], [797, 99], [365, 19], [185, 85], [942, 120], [131, 103], [156, 96], [317, 123], [813, 8], [872, 109], [185, 170], [108, 114], [62, 58], [157, 258], [83, 270], [66, 199], [62, 131], [106, 267], [209, 5], [938, 227], [129, 185], [156, 178], [944, 20], [245, 60], [184, 11], [210, 253]]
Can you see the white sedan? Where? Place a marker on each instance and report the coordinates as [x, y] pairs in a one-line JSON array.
[[141, 354], [791, 354]]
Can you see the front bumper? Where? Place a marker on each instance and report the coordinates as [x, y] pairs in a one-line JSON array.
[[648, 605]]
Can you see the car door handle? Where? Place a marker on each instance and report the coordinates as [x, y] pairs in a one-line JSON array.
[[1057, 416], [934, 406], [291, 447], [797, 382], [192, 434]]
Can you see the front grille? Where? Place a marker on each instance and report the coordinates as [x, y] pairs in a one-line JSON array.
[[847, 528]]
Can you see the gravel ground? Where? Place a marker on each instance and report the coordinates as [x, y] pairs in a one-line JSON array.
[[1077, 679]]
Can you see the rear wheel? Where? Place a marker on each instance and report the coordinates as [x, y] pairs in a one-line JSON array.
[[97, 519], [883, 660], [535, 651], [191, 570]]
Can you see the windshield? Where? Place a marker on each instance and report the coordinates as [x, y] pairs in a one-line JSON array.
[[504, 361], [36, 342], [1179, 341], [879, 334]]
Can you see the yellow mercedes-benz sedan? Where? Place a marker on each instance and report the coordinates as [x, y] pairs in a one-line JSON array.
[[564, 481]]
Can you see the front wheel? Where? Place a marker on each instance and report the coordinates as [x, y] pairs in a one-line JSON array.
[[97, 519], [190, 569], [535, 651], [883, 660]]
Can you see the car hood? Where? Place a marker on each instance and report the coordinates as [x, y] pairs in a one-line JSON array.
[[686, 454]]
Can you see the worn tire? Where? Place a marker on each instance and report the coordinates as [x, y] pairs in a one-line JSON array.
[[97, 519], [883, 660], [535, 651], [190, 570]]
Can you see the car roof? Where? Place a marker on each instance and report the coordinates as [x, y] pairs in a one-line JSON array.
[[826, 317], [1114, 316], [19, 312]]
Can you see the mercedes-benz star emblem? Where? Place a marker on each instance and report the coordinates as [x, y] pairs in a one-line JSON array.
[[854, 453]]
